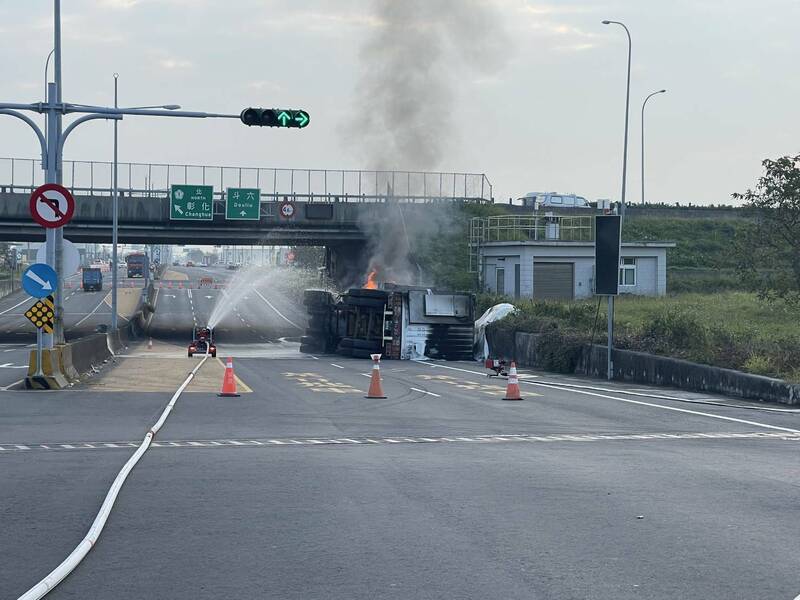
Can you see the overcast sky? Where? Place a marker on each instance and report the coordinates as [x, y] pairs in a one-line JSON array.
[[535, 96]]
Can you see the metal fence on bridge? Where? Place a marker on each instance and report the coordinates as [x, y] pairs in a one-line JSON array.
[[322, 185]]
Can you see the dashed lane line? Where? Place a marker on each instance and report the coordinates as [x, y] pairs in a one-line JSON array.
[[357, 440], [426, 392]]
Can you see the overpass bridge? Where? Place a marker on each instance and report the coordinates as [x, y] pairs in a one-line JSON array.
[[329, 205]]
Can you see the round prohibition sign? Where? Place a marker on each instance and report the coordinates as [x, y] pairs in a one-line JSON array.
[[52, 205], [287, 210]]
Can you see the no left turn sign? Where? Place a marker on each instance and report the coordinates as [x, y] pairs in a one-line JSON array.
[[52, 205]]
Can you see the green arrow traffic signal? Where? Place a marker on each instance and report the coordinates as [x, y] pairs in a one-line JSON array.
[[274, 117]]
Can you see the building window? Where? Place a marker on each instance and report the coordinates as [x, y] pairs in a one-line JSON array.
[[627, 271], [500, 281], [517, 281]]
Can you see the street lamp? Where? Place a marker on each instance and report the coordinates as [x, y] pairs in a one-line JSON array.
[[115, 204], [627, 104], [643, 105]]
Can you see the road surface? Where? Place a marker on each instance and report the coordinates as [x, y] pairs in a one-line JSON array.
[[302, 488]]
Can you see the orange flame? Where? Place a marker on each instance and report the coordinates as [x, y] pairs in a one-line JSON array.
[[371, 284]]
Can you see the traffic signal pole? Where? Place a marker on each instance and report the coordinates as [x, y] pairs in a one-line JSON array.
[[54, 109]]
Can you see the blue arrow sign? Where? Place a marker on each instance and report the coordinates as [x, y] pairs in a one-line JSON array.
[[39, 280]]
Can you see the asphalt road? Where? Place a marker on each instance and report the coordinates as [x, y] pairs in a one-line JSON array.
[[302, 488]]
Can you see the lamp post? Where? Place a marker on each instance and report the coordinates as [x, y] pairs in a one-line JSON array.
[[627, 105], [643, 105], [115, 203], [610, 362]]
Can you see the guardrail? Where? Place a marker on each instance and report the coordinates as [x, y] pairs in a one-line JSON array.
[[155, 179]]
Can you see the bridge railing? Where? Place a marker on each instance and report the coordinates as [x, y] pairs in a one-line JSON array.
[[323, 185]]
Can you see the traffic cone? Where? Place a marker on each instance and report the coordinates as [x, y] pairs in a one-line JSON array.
[[512, 390], [375, 390], [229, 381]]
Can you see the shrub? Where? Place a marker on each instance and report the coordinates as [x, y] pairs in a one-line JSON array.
[[759, 365], [559, 351], [675, 329]]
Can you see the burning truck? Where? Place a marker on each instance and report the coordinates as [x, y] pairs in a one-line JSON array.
[[399, 321]]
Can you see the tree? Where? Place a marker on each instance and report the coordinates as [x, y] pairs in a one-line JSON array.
[[769, 251]]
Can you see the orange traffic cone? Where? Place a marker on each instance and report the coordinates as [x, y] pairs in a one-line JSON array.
[[375, 390], [229, 381], [512, 390]]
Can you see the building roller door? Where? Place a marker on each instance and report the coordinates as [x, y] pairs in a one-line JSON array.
[[553, 280]]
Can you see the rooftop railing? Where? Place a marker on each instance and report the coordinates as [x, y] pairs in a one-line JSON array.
[[525, 228], [155, 179]]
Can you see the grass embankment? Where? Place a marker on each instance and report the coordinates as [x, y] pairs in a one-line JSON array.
[[734, 330], [703, 259]]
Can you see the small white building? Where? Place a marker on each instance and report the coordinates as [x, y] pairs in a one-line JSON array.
[[537, 262]]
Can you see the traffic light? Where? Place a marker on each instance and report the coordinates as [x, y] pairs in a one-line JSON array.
[[274, 117]]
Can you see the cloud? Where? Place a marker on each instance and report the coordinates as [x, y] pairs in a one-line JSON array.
[[173, 64], [265, 86]]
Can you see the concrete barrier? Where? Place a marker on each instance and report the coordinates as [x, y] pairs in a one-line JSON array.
[[640, 367], [66, 364]]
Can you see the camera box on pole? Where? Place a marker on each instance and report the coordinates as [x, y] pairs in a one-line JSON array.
[[606, 254]]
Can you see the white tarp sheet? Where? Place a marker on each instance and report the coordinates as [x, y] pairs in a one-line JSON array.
[[495, 313]]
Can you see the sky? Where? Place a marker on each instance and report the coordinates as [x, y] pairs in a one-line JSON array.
[[530, 93]]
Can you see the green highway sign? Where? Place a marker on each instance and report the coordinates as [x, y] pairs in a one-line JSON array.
[[191, 203], [243, 204]]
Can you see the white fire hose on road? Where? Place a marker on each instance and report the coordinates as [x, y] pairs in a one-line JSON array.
[[58, 574]]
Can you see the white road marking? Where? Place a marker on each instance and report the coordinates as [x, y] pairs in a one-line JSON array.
[[190, 294], [96, 308], [332, 364], [15, 306], [628, 401], [279, 313], [426, 392]]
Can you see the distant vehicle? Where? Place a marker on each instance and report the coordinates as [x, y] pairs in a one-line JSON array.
[[189, 263], [206, 281], [176, 263], [138, 264], [202, 342], [92, 279], [553, 200]]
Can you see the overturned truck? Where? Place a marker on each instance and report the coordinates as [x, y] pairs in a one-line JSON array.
[[400, 322]]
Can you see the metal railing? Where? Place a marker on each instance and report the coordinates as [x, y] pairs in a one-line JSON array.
[[518, 228], [155, 179]]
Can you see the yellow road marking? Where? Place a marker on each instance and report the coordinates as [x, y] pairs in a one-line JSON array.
[[317, 383], [491, 390]]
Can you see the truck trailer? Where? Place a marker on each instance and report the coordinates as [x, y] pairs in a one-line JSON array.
[[399, 322]]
